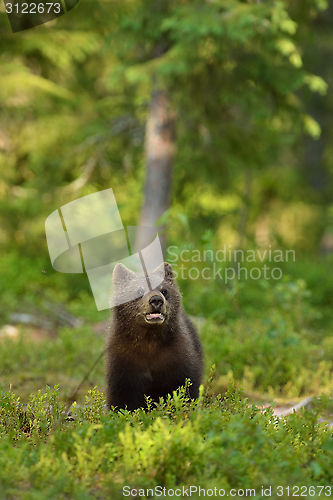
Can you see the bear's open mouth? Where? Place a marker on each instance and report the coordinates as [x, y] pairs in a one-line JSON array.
[[154, 317]]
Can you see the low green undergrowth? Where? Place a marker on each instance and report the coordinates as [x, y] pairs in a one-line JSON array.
[[214, 442]]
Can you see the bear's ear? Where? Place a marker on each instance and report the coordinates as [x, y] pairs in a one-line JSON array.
[[165, 268], [121, 274], [168, 270]]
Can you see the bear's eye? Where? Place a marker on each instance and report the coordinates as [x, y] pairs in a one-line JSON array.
[[164, 292], [140, 292]]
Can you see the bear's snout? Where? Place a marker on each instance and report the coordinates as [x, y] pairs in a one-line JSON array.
[[156, 301], [155, 311]]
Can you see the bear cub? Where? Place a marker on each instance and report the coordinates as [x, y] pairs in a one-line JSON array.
[[152, 346]]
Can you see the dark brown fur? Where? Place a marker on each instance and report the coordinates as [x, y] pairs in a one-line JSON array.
[[151, 358]]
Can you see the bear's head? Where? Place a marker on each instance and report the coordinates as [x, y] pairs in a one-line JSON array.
[[142, 303]]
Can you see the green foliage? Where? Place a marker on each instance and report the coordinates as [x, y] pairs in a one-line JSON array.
[[271, 358], [94, 405], [212, 442], [27, 365], [241, 64], [70, 353], [76, 93], [41, 411]]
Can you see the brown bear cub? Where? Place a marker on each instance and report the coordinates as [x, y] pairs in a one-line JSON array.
[[152, 346]]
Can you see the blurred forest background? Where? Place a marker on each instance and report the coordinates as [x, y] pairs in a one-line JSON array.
[[247, 91]]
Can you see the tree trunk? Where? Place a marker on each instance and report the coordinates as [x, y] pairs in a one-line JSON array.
[[160, 147]]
